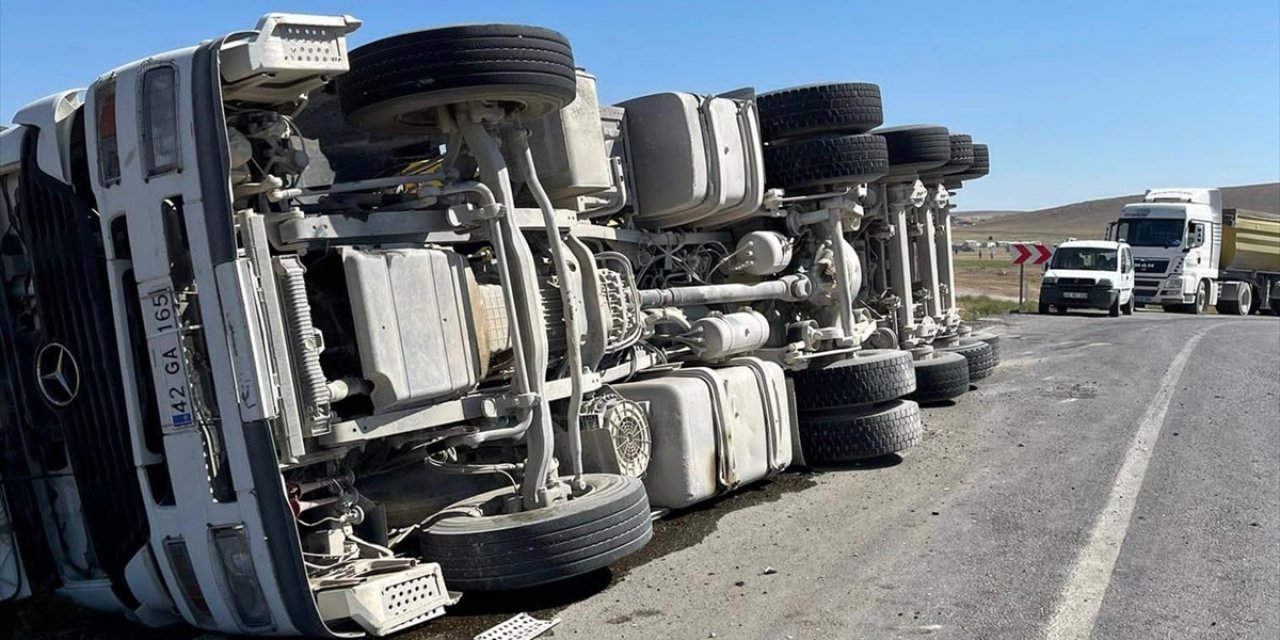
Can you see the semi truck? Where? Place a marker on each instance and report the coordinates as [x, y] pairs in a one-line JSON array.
[[300, 339], [1190, 253]]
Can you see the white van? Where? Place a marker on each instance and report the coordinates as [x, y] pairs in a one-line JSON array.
[[1089, 274]]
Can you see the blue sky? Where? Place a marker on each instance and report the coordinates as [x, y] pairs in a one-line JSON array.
[[1076, 99]]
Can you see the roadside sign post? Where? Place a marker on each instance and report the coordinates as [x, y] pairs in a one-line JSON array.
[[1022, 283], [1034, 253]]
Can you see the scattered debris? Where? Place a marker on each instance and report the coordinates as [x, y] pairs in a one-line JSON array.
[[768, 571], [521, 627]]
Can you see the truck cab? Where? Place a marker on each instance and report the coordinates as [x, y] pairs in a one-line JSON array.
[[1176, 239], [1089, 274]]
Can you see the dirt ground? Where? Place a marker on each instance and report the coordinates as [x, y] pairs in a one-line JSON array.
[[994, 276]]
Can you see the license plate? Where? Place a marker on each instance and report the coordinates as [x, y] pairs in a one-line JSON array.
[[1075, 294], [164, 341]]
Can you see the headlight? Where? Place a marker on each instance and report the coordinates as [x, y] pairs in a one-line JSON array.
[[160, 120], [1106, 283], [1049, 280], [241, 577]]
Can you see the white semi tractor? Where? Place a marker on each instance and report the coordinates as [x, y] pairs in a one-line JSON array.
[[306, 340], [1190, 253]]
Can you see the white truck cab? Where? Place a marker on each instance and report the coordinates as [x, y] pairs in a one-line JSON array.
[[1089, 274], [1176, 239]]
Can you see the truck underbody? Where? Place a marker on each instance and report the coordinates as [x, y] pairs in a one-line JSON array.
[[307, 341]]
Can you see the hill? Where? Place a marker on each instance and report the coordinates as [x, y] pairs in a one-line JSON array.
[[1089, 219]]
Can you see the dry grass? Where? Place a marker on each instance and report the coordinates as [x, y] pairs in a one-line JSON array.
[[997, 277], [974, 307]]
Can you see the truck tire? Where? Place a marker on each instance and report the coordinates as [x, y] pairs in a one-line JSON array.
[[961, 155], [840, 437], [992, 340], [1043, 309], [823, 161], [1240, 307], [513, 551], [396, 83], [981, 357], [917, 148], [981, 167], [942, 375], [817, 109], [869, 377], [1202, 296]]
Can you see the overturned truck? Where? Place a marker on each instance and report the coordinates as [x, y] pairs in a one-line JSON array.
[[302, 340]]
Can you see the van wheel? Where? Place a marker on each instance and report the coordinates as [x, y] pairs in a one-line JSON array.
[[1114, 309], [844, 436], [942, 375], [1128, 308], [395, 84], [483, 549], [868, 377]]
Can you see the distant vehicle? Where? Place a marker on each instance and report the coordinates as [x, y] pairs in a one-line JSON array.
[[1089, 274], [1190, 253]]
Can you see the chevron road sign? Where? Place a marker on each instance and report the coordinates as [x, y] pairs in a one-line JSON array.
[[1031, 254]]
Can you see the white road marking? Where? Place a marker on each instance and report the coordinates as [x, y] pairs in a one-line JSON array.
[[1081, 597]]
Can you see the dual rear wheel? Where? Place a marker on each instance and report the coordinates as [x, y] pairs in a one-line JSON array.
[[852, 409]]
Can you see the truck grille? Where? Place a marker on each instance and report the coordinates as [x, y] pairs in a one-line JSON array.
[[1146, 287], [1150, 266], [63, 237]]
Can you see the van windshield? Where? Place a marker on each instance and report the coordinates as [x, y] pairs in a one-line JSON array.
[[1151, 232], [1084, 258]]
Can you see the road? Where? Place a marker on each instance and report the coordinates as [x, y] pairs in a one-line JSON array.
[[1098, 485], [1115, 479]]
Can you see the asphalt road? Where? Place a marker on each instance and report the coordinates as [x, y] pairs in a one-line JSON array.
[[1114, 479], [1011, 520]]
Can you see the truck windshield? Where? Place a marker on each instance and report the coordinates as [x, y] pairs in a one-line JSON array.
[[1084, 258], [1151, 232]]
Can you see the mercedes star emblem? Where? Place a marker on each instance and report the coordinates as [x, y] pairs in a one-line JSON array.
[[58, 373]]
